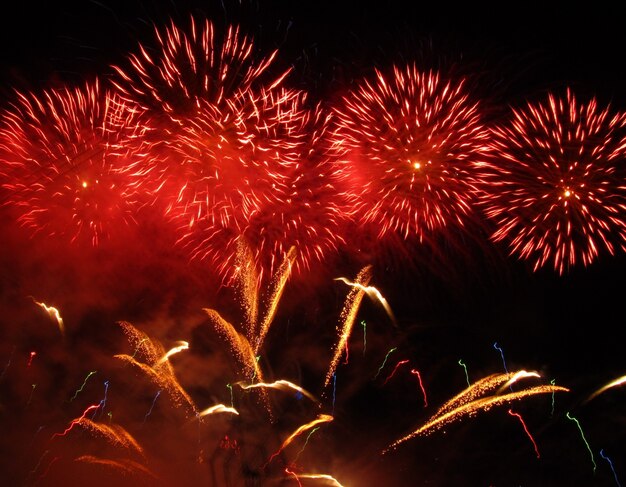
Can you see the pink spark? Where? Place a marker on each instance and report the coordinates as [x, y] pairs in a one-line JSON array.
[[419, 379]]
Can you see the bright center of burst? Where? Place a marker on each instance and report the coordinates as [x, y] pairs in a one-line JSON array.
[[84, 184], [417, 165], [567, 193]]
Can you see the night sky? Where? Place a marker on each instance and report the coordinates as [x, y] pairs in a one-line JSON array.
[[469, 301]]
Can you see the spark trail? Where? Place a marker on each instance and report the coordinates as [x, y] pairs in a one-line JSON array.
[[279, 385], [462, 364], [617, 382], [218, 408], [80, 389], [582, 435], [151, 406], [348, 315], [395, 369], [373, 293], [519, 416], [321, 418], [419, 379], [77, 420], [612, 467], [495, 345], [53, 313], [384, 361], [474, 399]]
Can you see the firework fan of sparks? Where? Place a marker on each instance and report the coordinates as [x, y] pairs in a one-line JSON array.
[[192, 64], [555, 184], [408, 144], [60, 152]]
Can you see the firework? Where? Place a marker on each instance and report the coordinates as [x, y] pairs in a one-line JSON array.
[[156, 369], [53, 313], [476, 398], [60, 152], [193, 63], [554, 186], [614, 383], [308, 210], [252, 172], [408, 143]]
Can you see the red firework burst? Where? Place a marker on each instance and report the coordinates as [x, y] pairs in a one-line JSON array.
[[59, 154], [308, 210], [555, 185], [408, 146], [235, 172], [188, 65]]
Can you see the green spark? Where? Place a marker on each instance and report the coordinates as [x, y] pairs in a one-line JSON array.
[[384, 361], [80, 389], [584, 439], [465, 368]]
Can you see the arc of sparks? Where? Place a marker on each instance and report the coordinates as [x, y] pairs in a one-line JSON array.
[[614, 383], [469, 402], [279, 385], [277, 286], [348, 316], [218, 408], [321, 418], [321, 476], [373, 293], [53, 313], [182, 345], [126, 466]]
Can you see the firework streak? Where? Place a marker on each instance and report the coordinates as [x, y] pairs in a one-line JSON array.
[[474, 399]]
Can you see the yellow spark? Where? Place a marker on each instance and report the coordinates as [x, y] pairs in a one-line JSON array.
[[617, 382], [280, 385], [321, 418], [321, 476], [517, 376], [53, 313], [373, 293], [218, 408], [182, 345]]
